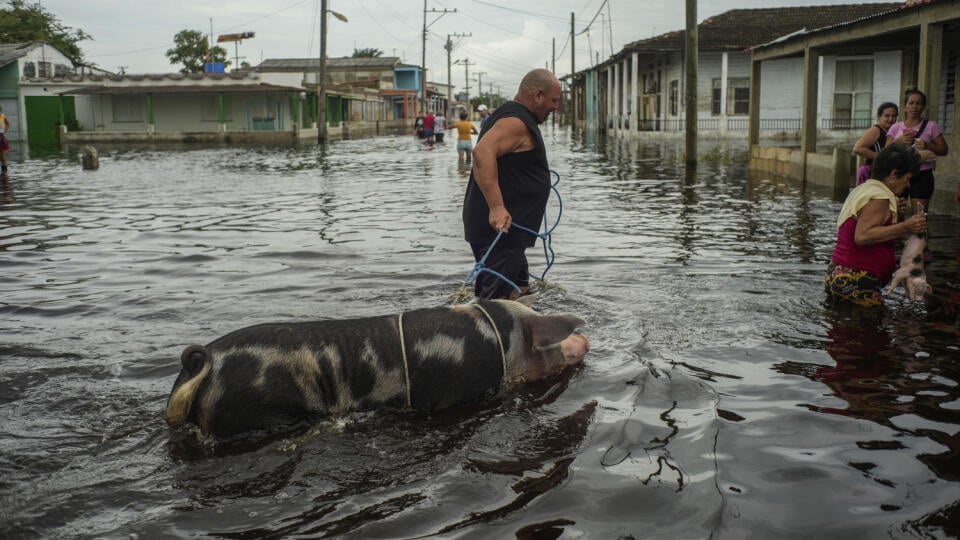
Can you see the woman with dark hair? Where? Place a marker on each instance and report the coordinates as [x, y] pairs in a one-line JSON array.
[[924, 135], [874, 139], [863, 260]]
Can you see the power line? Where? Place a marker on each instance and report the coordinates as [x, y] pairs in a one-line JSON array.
[[522, 12]]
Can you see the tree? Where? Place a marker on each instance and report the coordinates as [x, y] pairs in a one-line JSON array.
[[368, 52], [25, 23], [191, 51]]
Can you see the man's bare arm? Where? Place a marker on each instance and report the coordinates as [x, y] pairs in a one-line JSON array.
[[506, 136]]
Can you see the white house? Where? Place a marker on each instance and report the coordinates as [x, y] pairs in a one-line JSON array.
[[31, 75], [196, 107], [641, 88]]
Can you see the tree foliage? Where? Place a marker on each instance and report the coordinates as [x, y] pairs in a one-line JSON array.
[[367, 52], [20, 22], [190, 50]]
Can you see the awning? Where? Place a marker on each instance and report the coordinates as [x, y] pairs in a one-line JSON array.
[[180, 89]]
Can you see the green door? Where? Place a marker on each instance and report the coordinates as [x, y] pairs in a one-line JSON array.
[[43, 117]]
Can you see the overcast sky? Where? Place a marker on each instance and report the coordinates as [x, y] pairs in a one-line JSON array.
[[506, 38]]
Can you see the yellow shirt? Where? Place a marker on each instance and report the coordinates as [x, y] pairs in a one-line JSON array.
[[864, 193], [464, 129]]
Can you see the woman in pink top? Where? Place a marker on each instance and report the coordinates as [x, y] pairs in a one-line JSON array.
[[863, 260], [926, 136]]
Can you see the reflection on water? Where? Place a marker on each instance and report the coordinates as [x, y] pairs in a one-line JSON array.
[[722, 397]]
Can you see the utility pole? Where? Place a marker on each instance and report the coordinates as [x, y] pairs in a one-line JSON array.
[[573, 71], [423, 55], [553, 69], [449, 48], [322, 78], [466, 66], [692, 52], [553, 56], [480, 75], [322, 73]]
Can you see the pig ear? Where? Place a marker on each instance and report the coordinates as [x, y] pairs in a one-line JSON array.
[[547, 330], [527, 300]]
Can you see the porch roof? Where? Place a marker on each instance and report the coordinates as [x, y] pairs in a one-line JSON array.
[[313, 64], [740, 29], [181, 89]]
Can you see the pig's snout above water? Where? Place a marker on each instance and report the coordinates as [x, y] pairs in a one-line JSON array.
[[270, 375]]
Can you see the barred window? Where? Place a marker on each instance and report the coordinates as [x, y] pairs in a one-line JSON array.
[[715, 98], [210, 109], [853, 94], [738, 96], [128, 109], [674, 97]]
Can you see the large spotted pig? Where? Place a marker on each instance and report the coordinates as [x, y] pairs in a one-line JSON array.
[[269, 375]]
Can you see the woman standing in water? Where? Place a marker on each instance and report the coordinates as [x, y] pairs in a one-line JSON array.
[[874, 139], [863, 260], [924, 135]]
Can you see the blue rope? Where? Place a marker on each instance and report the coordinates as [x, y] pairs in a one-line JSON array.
[[548, 252]]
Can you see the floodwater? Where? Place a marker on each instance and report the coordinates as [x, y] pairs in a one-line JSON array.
[[723, 398]]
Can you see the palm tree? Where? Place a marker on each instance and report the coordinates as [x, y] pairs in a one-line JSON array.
[[368, 52]]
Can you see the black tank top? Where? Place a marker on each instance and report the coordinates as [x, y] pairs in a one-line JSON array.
[[524, 183]]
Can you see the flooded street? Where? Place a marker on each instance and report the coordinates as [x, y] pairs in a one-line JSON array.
[[722, 397]]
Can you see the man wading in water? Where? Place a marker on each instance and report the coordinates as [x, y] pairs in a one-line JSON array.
[[510, 182]]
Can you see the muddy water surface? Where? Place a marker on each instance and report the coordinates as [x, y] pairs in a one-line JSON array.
[[722, 397]]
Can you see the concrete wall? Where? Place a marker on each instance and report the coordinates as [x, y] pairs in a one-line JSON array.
[[185, 112], [835, 170], [347, 130], [199, 137]]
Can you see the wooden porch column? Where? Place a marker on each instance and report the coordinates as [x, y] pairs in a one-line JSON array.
[[615, 94], [221, 115], [753, 130], [610, 113], [624, 92], [635, 92], [151, 127], [931, 55], [724, 76], [808, 123]]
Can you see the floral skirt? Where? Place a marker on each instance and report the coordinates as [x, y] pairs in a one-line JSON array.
[[851, 285]]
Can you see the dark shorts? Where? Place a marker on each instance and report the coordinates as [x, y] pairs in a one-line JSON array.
[[851, 285], [921, 185], [509, 261], [4, 144]]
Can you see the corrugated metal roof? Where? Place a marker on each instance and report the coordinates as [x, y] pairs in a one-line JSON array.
[[740, 29], [806, 31], [9, 52]]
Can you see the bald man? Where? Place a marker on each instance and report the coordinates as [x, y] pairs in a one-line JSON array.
[[510, 182]]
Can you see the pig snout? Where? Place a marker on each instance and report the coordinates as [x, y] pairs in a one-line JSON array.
[[574, 348]]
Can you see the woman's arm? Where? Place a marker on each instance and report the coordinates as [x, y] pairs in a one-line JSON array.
[[871, 229], [864, 145], [938, 146]]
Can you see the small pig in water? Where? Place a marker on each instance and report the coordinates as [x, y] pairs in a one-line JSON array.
[[911, 273], [273, 374]]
